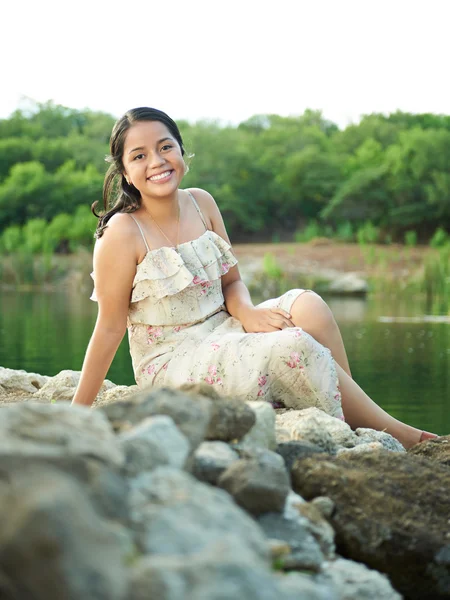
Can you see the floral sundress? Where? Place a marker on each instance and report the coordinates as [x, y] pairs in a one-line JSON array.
[[180, 332]]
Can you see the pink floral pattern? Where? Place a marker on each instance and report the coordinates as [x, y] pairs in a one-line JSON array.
[[262, 384], [154, 334], [213, 376], [179, 331]]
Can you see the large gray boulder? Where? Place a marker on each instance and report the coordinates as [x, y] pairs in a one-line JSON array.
[[190, 415], [58, 430], [62, 387], [155, 441], [304, 551], [211, 459], [173, 513], [259, 484], [53, 543], [354, 581], [220, 571], [12, 380]]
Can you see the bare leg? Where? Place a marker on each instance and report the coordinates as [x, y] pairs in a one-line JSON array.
[[362, 411], [312, 314]]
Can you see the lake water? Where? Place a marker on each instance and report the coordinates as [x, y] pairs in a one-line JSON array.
[[404, 367]]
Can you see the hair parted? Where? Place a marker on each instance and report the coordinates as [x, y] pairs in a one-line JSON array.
[[118, 195]]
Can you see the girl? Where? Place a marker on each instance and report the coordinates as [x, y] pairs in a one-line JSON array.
[[164, 269]]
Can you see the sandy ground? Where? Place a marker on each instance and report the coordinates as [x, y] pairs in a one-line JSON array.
[[324, 255]]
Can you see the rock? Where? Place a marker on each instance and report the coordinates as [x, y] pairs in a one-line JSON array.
[[118, 392], [310, 517], [12, 380], [290, 506], [325, 505], [318, 526], [388, 442], [332, 435], [262, 434], [211, 459], [190, 416], [296, 586], [173, 513], [348, 283], [53, 543], [436, 450], [309, 425], [230, 418], [155, 441], [360, 449], [106, 487], [354, 581], [259, 484], [296, 450], [57, 430], [392, 513], [220, 571], [305, 553], [62, 387]]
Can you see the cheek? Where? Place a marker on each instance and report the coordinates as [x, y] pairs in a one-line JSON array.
[[136, 167]]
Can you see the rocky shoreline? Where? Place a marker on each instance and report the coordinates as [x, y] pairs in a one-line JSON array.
[[183, 494]]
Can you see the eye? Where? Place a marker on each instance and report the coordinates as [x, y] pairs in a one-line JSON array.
[[137, 156], [166, 147]]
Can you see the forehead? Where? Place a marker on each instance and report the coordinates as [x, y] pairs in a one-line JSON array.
[[145, 133]]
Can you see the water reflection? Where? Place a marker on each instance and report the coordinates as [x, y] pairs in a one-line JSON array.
[[403, 364]]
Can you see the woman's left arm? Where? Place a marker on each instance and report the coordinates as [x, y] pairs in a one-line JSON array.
[[237, 297]]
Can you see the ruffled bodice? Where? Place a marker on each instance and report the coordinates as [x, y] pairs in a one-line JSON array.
[[180, 286]]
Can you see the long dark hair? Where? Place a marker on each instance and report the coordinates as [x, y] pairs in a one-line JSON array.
[[118, 195]]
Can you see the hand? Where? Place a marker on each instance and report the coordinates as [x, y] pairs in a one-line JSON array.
[[258, 320]]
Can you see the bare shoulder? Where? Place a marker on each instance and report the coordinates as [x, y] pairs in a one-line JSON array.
[[204, 198], [211, 211], [120, 235], [119, 226], [206, 202]]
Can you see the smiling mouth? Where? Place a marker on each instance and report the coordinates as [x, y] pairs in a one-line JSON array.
[[161, 176]]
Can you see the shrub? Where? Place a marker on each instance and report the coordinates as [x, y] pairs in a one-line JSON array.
[[12, 238], [271, 267], [411, 238], [440, 238], [83, 228], [368, 233], [33, 233], [311, 231], [344, 232]]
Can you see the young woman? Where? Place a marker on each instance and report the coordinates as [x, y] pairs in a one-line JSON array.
[[164, 269]]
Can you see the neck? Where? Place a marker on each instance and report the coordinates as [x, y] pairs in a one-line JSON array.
[[164, 208]]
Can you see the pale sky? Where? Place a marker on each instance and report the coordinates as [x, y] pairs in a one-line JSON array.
[[228, 59]]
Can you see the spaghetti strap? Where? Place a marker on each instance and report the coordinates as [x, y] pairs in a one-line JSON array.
[[198, 209], [142, 233]]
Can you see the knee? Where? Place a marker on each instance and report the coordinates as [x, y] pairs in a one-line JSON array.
[[312, 313]]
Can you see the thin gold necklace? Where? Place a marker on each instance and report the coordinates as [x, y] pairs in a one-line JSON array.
[[178, 225]]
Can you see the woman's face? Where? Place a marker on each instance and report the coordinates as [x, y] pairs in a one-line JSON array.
[[152, 159]]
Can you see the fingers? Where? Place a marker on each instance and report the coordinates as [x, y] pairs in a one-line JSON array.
[[285, 317]]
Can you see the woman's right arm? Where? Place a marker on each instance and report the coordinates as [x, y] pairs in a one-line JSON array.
[[115, 258]]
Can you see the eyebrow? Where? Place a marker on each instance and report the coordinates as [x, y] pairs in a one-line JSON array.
[[157, 143]]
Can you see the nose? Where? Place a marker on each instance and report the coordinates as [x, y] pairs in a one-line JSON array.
[[155, 160]]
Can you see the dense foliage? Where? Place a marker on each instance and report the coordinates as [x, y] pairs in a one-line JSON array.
[[270, 175]]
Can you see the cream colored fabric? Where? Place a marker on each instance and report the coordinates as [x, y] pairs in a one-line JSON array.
[[179, 332]]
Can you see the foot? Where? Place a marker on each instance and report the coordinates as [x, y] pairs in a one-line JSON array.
[[425, 435]]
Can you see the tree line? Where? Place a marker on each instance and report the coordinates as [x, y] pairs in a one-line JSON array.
[[271, 175]]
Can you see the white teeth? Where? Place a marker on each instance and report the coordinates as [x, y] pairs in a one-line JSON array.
[[156, 177]]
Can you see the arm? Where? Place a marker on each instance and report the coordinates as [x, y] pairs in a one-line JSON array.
[[115, 258], [237, 297]]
